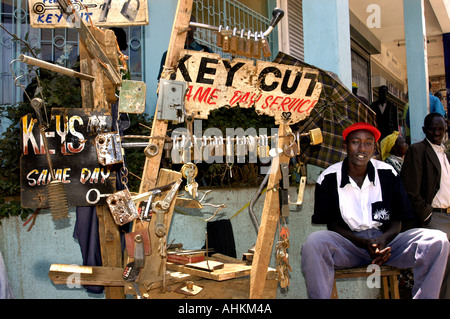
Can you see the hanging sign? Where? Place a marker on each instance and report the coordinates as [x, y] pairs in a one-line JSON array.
[[102, 13], [71, 143], [287, 93]]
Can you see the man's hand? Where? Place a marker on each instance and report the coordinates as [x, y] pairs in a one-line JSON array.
[[379, 254]]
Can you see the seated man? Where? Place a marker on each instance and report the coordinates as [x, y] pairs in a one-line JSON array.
[[363, 203]]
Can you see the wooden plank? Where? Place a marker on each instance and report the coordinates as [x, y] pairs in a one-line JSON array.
[[110, 247], [87, 275], [269, 221], [237, 288]]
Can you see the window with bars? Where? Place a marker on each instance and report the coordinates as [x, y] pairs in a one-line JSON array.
[[56, 45]]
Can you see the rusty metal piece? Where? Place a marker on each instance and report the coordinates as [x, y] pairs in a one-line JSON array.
[[109, 149], [132, 97], [122, 207]]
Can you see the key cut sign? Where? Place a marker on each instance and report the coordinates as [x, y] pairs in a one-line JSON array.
[[287, 93], [70, 137]]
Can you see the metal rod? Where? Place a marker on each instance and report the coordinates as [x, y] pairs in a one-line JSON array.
[[277, 15], [54, 67]]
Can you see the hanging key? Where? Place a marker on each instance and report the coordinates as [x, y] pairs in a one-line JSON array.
[[265, 46], [190, 171]]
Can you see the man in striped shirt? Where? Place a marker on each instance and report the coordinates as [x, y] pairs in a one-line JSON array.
[[363, 203]]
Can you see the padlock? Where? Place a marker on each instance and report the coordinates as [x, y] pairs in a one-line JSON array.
[[241, 44], [234, 42], [219, 38], [248, 45], [316, 136], [265, 46], [122, 207], [256, 52], [226, 35], [130, 10]]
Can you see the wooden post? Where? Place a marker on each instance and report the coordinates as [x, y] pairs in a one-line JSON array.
[[269, 221], [159, 129], [99, 94]]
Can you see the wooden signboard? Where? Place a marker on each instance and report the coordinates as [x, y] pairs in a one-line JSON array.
[[73, 156], [102, 13], [287, 93]]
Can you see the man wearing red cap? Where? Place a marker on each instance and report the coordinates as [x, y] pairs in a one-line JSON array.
[[363, 203]]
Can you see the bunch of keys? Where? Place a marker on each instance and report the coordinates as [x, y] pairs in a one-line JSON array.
[[190, 171], [283, 267]]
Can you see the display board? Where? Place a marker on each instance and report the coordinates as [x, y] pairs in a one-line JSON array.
[[102, 13], [287, 93], [71, 143]]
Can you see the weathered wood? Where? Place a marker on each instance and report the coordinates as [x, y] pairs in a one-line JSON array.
[[153, 263], [268, 225], [229, 271], [96, 95], [110, 247], [159, 128], [237, 288]]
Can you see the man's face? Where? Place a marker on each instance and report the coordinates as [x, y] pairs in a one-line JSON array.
[[360, 147], [435, 131]]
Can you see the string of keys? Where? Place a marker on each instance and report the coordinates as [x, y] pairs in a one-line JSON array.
[[190, 171], [250, 46]]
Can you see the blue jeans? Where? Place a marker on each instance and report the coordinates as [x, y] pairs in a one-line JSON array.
[[424, 250]]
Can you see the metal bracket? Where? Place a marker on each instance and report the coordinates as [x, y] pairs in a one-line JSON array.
[[109, 149]]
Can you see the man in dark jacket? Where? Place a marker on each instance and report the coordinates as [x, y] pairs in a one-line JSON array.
[[426, 177]]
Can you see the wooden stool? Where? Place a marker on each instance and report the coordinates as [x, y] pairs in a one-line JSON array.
[[388, 274]]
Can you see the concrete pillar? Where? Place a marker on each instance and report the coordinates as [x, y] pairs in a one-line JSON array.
[[326, 33], [417, 64], [446, 40]]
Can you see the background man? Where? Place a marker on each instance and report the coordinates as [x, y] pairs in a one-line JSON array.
[[426, 176]]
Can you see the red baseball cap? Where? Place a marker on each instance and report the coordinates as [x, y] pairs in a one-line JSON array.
[[362, 126]]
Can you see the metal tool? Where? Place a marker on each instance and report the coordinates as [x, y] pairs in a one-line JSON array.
[[54, 67], [277, 15], [130, 274], [56, 192], [161, 207]]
